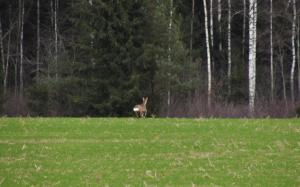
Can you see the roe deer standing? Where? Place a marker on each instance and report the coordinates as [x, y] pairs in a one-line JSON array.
[[141, 109]]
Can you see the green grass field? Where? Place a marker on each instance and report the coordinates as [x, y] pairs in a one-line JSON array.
[[149, 152]]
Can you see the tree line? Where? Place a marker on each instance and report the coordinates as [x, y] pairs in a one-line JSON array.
[[191, 58]]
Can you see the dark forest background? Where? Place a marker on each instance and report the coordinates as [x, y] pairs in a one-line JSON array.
[[100, 57]]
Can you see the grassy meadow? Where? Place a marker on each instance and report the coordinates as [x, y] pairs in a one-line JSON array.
[[149, 152]]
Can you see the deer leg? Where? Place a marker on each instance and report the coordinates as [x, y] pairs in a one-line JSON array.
[[141, 114]]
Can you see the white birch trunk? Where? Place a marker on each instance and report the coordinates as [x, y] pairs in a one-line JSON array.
[[21, 50], [252, 54], [38, 42], [229, 46], [169, 57], [220, 24], [208, 57], [56, 37], [298, 55], [293, 52], [271, 51], [192, 30]]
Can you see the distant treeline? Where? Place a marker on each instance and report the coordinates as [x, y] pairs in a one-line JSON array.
[[191, 58]]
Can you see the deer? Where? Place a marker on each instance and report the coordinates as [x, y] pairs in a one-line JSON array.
[[141, 109]]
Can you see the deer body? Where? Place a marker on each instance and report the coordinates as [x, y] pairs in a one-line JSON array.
[[141, 109]]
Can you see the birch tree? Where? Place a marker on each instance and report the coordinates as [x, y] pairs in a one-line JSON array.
[[298, 55], [271, 51], [293, 51], [229, 46], [252, 53], [208, 57]]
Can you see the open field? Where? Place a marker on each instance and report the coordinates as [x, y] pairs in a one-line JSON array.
[[149, 152]]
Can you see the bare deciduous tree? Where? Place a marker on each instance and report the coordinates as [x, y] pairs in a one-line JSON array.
[[208, 57], [192, 30], [21, 48], [271, 51], [252, 54], [169, 57], [211, 24], [298, 55], [38, 42], [56, 37], [220, 24], [8, 51], [2, 52], [229, 46], [244, 27], [293, 52]]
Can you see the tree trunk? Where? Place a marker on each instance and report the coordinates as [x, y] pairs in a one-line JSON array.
[[208, 57], [92, 36], [8, 53], [169, 57], [192, 31], [271, 51], [211, 24], [16, 79], [293, 52], [212, 34], [229, 46], [220, 24], [283, 77], [21, 50], [298, 56], [2, 73], [52, 32], [56, 37], [252, 54], [244, 28], [52, 13], [38, 43]]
